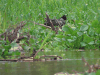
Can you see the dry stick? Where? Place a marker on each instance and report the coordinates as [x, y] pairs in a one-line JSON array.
[[90, 67], [19, 38], [85, 62], [38, 51], [13, 35], [3, 34], [14, 60], [43, 25], [58, 22], [51, 24], [40, 24], [50, 56], [76, 73], [56, 30]]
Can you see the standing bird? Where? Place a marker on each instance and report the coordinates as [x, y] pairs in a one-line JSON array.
[[57, 22]]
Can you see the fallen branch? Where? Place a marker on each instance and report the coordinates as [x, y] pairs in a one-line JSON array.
[[49, 21], [37, 52], [13, 34], [13, 60], [43, 25], [91, 67], [50, 56]]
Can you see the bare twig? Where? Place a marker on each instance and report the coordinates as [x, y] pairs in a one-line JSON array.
[[50, 56], [38, 51], [86, 63], [51, 24], [43, 25], [90, 66], [12, 35]]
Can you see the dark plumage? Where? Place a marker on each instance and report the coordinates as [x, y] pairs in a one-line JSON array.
[[57, 22], [64, 17]]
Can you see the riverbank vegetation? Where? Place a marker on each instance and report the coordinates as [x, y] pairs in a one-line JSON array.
[[81, 30], [23, 34]]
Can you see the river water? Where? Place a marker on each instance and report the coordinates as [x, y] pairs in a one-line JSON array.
[[71, 62]]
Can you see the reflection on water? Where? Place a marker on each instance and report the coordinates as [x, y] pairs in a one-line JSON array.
[[49, 67]]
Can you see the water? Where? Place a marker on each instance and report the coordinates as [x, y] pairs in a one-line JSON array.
[[73, 62]]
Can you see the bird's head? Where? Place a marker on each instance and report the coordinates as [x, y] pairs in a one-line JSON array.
[[64, 17]]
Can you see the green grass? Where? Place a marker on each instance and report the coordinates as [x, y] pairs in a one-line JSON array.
[[86, 14], [12, 12]]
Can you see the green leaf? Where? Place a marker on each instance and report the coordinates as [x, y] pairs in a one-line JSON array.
[[59, 36], [98, 72], [2, 41], [95, 23], [7, 47], [22, 41], [31, 40], [0, 52], [13, 44], [83, 27], [67, 29], [16, 52], [80, 33], [83, 44], [26, 47], [5, 53], [58, 39], [91, 32], [70, 40], [91, 43], [87, 39]]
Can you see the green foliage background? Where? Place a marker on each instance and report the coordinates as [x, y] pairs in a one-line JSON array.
[[84, 33]]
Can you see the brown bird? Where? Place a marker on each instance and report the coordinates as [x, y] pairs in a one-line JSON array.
[[57, 22]]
